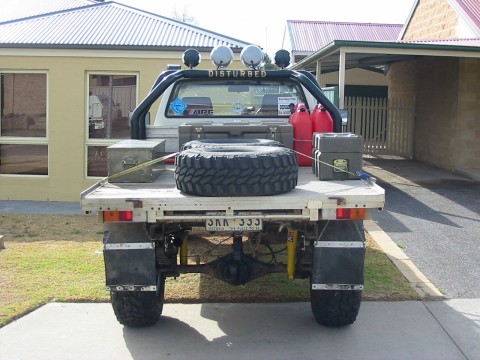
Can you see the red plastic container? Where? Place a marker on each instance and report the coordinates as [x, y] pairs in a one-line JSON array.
[[302, 134], [321, 120]]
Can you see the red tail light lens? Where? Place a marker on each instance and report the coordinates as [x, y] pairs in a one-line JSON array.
[[110, 216], [351, 214]]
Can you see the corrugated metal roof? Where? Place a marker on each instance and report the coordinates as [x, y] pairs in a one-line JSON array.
[[309, 36], [15, 9], [472, 10], [474, 42], [109, 24], [369, 53]]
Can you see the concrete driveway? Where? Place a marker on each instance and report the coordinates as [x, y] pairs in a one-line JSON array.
[[384, 330], [434, 216]]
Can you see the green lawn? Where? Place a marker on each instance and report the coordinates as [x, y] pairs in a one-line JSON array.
[[59, 258]]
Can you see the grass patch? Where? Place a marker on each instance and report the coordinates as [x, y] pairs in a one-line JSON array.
[[63, 262]]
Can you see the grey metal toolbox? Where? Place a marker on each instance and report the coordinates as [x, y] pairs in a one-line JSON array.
[[129, 153], [337, 155], [275, 130]]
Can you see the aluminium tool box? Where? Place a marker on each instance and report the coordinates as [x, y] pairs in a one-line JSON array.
[[275, 130], [337, 156], [129, 153]]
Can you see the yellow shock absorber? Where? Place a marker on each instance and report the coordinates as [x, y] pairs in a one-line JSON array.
[[292, 241], [184, 250]]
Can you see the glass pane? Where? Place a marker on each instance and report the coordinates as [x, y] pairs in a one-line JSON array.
[[97, 161], [23, 105], [24, 159], [234, 98], [111, 98]]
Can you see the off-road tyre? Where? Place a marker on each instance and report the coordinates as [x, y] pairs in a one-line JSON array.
[[335, 308], [230, 142], [236, 171], [135, 308], [138, 308]]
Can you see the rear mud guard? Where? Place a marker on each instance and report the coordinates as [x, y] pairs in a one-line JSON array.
[[129, 258], [339, 256]]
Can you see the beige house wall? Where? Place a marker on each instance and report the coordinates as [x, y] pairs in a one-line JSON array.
[[355, 77], [432, 19], [67, 94], [447, 126]]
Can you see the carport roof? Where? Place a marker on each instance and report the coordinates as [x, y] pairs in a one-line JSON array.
[[375, 55]]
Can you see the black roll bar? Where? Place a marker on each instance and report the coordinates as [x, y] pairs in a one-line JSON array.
[[137, 119]]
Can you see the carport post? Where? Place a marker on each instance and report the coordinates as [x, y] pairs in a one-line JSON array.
[[319, 72], [341, 79]]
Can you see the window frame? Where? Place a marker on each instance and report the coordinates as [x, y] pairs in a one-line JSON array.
[[99, 141], [23, 140]]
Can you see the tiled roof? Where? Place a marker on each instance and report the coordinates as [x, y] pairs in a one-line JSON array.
[[108, 25], [310, 36]]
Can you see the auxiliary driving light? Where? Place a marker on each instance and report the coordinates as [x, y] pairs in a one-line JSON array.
[[191, 58], [282, 58], [221, 56], [252, 56]]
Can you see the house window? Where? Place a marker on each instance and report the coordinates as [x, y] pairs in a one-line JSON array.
[[23, 123], [111, 97]]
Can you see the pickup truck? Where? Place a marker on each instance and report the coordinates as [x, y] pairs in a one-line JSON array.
[[222, 157]]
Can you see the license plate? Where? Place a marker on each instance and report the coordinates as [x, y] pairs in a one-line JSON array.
[[250, 223]]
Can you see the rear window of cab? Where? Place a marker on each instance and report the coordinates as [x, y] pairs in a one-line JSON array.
[[233, 98]]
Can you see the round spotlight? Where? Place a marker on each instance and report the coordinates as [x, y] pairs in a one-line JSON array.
[[252, 56], [282, 58], [221, 56], [191, 58]]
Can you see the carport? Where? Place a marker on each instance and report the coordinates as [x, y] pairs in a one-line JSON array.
[[394, 129]]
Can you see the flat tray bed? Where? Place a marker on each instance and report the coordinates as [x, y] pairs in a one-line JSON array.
[[162, 195]]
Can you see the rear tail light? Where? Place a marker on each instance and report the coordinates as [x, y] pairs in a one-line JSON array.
[[110, 216], [351, 214]]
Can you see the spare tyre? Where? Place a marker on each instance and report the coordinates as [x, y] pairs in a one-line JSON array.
[[236, 171], [230, 142]]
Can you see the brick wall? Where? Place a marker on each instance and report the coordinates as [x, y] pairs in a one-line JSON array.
[[467, 155], [432, 19], [434, 83]]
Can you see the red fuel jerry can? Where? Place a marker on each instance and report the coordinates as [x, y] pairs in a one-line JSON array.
[[321, 119], [302, 134]]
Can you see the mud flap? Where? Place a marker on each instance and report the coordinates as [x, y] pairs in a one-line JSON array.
[[339, 256], [129, 258]]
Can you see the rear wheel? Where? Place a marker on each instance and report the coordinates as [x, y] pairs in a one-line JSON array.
[[335, 308], [138, 308]]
